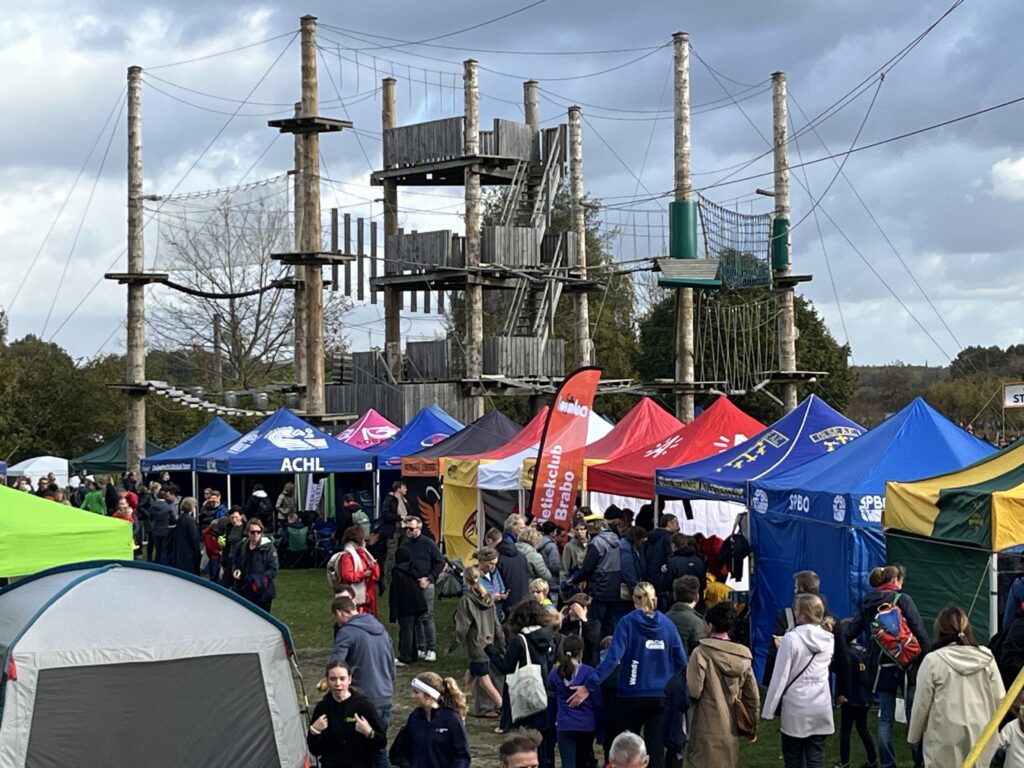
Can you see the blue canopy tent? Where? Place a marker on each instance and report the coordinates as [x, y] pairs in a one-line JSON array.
[[812, 429], [182, 458], [284, 444], [825, 515], [428, 427]]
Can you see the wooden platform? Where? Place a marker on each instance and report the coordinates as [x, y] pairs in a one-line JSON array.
[[452, 173], [137, 278], [312, 258], [307, 125]]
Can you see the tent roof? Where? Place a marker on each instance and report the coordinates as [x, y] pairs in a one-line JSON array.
[[110, 457], [284, 444], [848, 484], [720, 427], [489, 431], [40, 465], [36, 533], [431, 425], [181, 458], [99, 591], [812, 429], [368, 430], [935, 507], [645, 424]]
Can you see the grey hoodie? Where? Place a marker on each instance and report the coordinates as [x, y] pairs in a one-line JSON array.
[[364, 643]]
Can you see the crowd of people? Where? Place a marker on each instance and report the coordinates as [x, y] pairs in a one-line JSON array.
[[609, 642]]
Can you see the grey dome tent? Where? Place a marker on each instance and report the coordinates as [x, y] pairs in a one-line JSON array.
[[129, 663]]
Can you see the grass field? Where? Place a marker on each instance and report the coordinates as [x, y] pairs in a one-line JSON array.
[[304, 601]]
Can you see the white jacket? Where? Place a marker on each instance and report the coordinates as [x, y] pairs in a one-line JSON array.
[[958, 690], [1013, 737], [807, 705]]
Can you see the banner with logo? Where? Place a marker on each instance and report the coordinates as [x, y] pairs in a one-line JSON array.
[[556, 478]]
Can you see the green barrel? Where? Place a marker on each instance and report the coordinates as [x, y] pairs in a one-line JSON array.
[[682, 232], [780, 244]]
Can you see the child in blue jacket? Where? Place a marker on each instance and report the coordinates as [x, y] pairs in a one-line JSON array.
[[576, 726]]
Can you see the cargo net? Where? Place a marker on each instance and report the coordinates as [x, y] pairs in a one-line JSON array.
[[232, 229], [736, 338], [740, 242]]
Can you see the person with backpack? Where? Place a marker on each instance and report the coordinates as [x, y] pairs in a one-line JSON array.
[[854, 698], [958, 691], [799, 686], [887, 604], [804, 583], [721, 683], [657, 551], [258, 507]]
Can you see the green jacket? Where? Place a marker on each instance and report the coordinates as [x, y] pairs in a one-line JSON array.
[[689, 623], [95, 501]]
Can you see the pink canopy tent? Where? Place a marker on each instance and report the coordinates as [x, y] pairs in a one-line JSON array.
[[368, 430]]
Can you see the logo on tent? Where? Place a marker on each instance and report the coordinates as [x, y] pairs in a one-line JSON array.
[[839, 509], [772, 439], [433, 439], [296, 439], [245, 442], [871, 508], [573, 407], [835, 437], [722, 441], [759, 502], [663, 447], [378, 434]]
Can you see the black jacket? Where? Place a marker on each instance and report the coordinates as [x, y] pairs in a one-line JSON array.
[[162, 516], [657, 551], [259, 570], [340, 745], [1011, 654], [388, 517], [885, 675], [542, 651], [602, 567], [406, 596], [688, 565], [186, 545], [425, 556], [513, 570]]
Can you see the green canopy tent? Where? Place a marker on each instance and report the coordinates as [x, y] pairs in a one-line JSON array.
[[36, 534], [109, 458]]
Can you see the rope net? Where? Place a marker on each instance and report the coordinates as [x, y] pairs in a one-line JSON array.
[[740, 241], [736, 339]]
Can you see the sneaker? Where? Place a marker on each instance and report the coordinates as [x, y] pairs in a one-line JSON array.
[[421, 654], [400, 663], [430, 656]]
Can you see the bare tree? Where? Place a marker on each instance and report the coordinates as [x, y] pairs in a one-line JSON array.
[[226, 249]]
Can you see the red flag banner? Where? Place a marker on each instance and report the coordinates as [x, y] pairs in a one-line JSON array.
[[556, 478]]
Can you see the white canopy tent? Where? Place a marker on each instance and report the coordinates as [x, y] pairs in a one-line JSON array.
[[40, 466]]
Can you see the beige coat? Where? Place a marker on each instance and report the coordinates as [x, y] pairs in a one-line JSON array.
[[958, 690], [719, 672]]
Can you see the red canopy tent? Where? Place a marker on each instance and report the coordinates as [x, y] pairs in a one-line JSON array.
[[719, 427], [646, 423]]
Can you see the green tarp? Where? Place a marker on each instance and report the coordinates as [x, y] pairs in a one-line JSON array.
[[36, 533], [940, 573], [109, 458]]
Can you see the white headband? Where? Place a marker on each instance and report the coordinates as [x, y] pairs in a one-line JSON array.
[[422, 687]]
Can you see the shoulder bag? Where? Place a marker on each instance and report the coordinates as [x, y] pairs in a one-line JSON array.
[[527, 693]]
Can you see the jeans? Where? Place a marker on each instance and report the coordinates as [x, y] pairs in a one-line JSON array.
[[385, 719], [426, 631], [806, 752], [576, 749], [886, 718], [407, 639], [855, 716], [213, 568]]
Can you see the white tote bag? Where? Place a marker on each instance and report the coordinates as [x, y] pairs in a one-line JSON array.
[[526, 691]]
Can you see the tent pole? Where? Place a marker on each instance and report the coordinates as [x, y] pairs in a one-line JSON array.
[[229, 491], [993, 595], [195, 483], [481, 518]]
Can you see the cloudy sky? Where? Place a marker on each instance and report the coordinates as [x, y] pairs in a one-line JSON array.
[[934, 215]]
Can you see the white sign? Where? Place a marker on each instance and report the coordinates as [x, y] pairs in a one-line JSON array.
[[1013, 395]]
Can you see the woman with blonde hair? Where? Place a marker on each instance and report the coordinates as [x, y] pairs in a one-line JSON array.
[[958, 690], [649, 652], [476, 624], [434, 735], [800, 686]]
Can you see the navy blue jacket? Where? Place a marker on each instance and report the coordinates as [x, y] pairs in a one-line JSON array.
[[657, 551], [885, 675], [650, 652], [632, 564], [438, 742]]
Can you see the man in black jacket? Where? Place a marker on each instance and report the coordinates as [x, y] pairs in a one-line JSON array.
[[657, 551], [392, 513], [602, 571], [426, 558], [512, 567]]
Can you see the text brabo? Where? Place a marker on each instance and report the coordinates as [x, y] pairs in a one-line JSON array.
[[557, 495]]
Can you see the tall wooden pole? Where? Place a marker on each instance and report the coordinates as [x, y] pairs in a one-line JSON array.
[[135, 433], [312, 241], [299, 314], [584, 346], [392, 297], [683, 187], [783, 267], [474, 229], [531, 110]]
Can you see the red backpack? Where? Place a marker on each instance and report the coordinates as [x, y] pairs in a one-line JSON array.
[[890, 630]]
